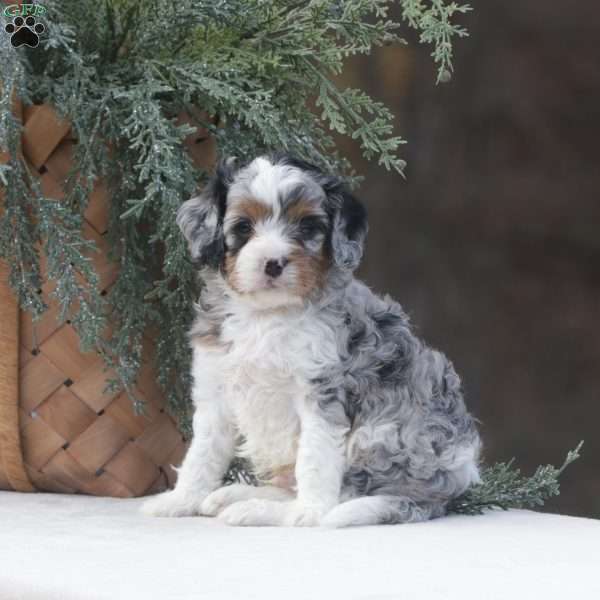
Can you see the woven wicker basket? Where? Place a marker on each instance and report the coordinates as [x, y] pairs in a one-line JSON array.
[[59, 430]]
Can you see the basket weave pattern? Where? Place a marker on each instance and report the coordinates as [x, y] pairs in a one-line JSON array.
[[59, 429]]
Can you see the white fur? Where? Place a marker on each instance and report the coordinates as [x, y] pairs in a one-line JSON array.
[[259, 389], [212, 446], [266, 379], [231, 494], [368, 510]]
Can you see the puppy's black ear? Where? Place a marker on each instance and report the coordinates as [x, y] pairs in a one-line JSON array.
[[349, 224], [347, 215], [201, 218]]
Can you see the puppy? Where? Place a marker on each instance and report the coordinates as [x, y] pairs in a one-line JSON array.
[[346, 417]]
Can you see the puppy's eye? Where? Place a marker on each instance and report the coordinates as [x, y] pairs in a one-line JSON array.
[[310, 226], [243, 228]]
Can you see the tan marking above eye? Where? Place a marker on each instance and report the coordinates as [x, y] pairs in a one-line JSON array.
[[300, 209], [251, 209]]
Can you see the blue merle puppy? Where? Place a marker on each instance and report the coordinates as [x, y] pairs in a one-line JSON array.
[[347, 417]]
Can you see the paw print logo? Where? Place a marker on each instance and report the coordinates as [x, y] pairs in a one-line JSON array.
[[25, 32]]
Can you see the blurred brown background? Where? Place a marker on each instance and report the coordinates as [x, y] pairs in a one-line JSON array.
[[492, 244]]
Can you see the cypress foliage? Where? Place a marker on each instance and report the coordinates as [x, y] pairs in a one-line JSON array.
[[503, 486]]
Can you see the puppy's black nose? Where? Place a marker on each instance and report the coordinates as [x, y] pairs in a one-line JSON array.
[[273, 268]]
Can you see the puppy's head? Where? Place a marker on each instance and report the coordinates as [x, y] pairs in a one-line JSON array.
[[275, 228]]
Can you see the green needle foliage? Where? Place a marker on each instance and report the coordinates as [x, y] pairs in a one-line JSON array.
[[434, 22], [121, 71], [503, 486]]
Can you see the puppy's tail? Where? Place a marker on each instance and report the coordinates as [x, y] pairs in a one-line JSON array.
[[378, 510]]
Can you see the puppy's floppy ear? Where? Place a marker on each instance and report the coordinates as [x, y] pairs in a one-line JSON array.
[[349, 224], [201, 218], [346, 213]]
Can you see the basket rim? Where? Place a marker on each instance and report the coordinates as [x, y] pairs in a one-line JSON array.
[[11, 452]]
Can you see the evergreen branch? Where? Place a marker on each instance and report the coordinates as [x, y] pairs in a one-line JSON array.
[[436, 28], [340, 108], [503, 486]]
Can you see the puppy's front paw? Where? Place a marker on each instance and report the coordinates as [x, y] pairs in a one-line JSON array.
[[174, 503], [304, 515], [254, 512], [215, 502]]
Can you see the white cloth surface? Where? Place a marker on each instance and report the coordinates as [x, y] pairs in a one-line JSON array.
[[55, 547]]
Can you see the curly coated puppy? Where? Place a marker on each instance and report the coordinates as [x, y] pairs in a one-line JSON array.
[[347, 417]]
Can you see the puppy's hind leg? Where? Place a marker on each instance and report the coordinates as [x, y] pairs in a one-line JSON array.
[[376, 510]]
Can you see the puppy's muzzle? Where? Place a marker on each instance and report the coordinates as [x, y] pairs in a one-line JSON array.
[[274, 268]]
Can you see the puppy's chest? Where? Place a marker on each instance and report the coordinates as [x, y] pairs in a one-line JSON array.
[[268, 370], [263, 391], [265, 413]]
